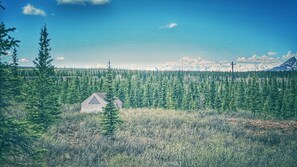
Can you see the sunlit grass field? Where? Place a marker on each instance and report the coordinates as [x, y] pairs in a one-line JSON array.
[[156, 137]]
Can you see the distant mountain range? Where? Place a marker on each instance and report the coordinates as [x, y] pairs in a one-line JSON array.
[[200, 64], [289, 65]]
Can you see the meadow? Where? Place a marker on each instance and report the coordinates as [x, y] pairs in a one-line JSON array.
[[158, 137]]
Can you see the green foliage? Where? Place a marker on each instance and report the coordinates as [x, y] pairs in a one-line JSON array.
[[110, 117], [15, 63], [73, 95], [44, 59], [185, 90], [18, 145], [7, 41], [42, 99]]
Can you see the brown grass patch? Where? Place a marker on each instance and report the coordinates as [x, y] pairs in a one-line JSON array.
[[266, 124]]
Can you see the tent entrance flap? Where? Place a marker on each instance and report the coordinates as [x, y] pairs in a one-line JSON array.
[[94, 100]]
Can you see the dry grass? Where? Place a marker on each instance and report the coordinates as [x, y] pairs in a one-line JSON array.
[[155, 137], [266, 124]]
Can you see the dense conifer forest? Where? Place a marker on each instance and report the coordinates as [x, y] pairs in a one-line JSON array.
[[263, 93]]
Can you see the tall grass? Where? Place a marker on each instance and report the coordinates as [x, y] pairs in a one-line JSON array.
[[155, 137]]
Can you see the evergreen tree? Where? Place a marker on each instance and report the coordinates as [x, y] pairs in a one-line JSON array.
[[212, 94], [295, 107], [155, 98], [148, 94], [241, 100], [121, 93], [63, 92], [42, 105], [288, 104], [169, 99], [17, 139], [84, 89], [128, 94], [73, 93], [110, 117], [16, 81], [14, 63], [186, 99], [255, 96], [177, 93], [162, 95], [267, 108], [218, 99]]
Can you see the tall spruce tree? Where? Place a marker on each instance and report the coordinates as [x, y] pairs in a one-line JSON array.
[[43, 108], [110, 117]]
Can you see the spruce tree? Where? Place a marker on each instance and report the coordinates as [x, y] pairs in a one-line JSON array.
[[162, 95], [212, 93], [169, 99], [121, 93], [16, 81], [63, 92], [254, 96], [42, 105], [110, 118], [241, 99], [186, 99], [14, 62], [73, 92]]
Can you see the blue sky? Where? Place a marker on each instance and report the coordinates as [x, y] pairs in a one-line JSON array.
[[88, 32]]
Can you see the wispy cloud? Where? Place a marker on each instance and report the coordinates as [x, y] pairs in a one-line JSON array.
[[84, 2], [31, 10], [24, 60], [169, 26], [60, 58]]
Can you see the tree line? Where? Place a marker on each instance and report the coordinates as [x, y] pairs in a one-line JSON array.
[[263, 93]]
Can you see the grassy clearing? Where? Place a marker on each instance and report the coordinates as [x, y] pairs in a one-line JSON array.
[[155, 137]]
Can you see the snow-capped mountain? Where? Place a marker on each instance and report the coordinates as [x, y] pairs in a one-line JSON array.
[[199, 64], [188, 64], [289, 65]]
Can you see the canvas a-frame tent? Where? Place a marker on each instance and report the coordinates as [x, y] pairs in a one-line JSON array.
[[96, 103]]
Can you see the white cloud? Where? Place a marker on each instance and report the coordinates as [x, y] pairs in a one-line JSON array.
[[169, 26], [271, 53], [60, 58], [24, 60], [31, 10], [83, 2]]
